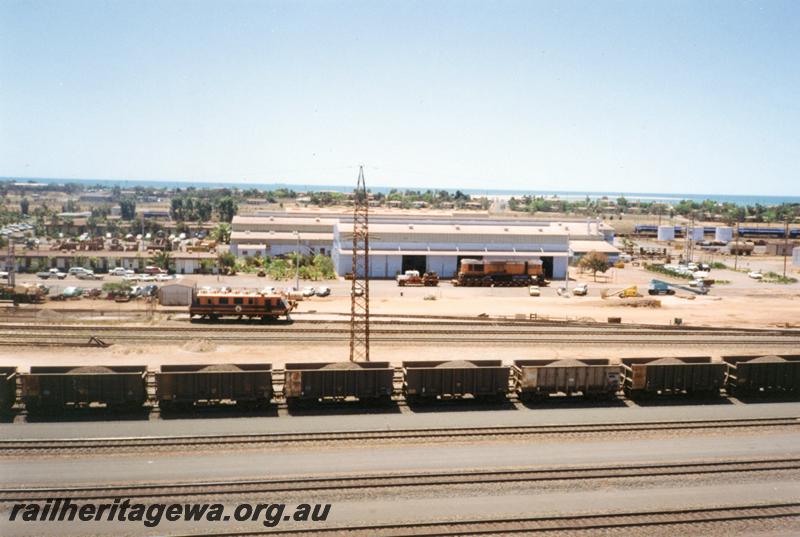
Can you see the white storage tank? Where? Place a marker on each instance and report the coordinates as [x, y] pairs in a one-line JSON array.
[[666, 233], [696, 233], [723, 234]]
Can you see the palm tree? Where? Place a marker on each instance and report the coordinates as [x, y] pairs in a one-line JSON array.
[[162, 259], [222, 233]]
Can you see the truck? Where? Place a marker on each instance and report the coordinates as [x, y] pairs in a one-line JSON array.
[[479, 273], [412, 278], [658, 287]]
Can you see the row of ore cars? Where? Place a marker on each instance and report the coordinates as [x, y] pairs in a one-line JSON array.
[[252, 385]]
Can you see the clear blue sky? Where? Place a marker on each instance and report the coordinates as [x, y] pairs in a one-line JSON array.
[[656, 96]]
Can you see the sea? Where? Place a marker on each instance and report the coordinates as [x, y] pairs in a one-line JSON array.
[[503, 193]]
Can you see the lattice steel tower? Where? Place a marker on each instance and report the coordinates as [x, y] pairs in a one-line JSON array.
[[11, 263], [359, 295]]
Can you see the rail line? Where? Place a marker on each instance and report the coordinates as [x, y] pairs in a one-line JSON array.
[[379, 481], [27, 446], [390, 327], [630, 520], [67, 335]]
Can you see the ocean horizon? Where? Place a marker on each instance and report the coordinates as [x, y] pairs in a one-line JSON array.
[[738, 199]]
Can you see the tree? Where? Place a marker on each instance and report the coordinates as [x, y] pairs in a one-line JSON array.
[[226, 207], [227, 261], [176, 208], [594, 261], [162, 259], [24, 204], [127, 208], [222, 233]]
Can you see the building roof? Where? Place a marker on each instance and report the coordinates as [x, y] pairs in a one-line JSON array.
[[583, 247], [113, 254], [285, 220], [462, 229], [279, 236], [462, 253]]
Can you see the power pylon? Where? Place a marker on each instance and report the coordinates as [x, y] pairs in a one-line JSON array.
[[11, 262], [359, 295]]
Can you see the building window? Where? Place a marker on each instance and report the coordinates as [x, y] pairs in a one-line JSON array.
[[223, 300], [238, 301]]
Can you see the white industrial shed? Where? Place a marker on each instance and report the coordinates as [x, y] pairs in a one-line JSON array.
[[177, 293], [395, 248]]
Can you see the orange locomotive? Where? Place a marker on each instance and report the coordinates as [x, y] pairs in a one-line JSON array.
[[216, 304], [477, 273]]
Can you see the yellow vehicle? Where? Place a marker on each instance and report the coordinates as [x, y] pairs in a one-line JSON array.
[[628, 292]]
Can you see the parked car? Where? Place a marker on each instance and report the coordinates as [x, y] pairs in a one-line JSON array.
[[44, 275], [89, 275], [130, 278], [581, 289], [57, 273], [3, 275], [74, 271], [755, 274], [150, 269], [119, 271], [72, 292], [147, 278], [149, 290], [165, 277], [534, 290], [323, 291], [309, 291]]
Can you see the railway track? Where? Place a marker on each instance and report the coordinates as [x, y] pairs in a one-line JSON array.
[[70, 335], [47, 446], [392, 481], [632, 521]]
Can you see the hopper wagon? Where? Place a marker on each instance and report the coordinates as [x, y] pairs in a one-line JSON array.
[[247, 385], [539, 379], [65, 386], [693, 376], [338, 381], [756, 374], [8, 387], [456, 379]]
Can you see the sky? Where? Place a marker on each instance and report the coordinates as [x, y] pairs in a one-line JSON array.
[[624, 96]]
